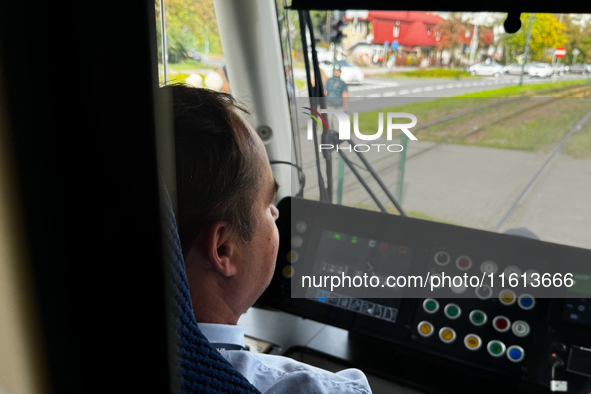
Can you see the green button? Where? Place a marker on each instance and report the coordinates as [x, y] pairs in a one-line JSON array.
[[496, 348], [478, 317], [431, 305], [452, 311]]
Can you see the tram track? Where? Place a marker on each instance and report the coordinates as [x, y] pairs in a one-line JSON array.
[[534, 179], [381, 165]]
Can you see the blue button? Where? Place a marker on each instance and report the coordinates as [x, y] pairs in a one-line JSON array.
[[515, 354], [526, 302]]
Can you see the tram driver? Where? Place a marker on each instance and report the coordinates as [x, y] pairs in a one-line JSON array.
[[226, 221]]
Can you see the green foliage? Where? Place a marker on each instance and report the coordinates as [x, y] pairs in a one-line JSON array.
[[578, 33], [524, 90], [546, 32], [432, 73], [188, 24]]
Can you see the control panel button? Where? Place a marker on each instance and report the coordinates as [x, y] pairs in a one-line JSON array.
[[478, 317], [447, 335], [425, 329], [526, 301], [472, 342], [442, 258], [452, 311], [297, 241], [430, 305], [511, 269], [287, 271], [529, 276], [458, 289], [464, 263], [507, 297], [484, 292], [515, 353], [520, 328], [501, 324], [488, 267], [292, 256], [301, 226], [496, 348]]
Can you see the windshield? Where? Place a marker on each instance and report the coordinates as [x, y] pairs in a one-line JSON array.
[[496, 148]]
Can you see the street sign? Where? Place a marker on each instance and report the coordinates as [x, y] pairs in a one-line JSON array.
[[395, 45], [559, 52], [386, 44], [576, 51]]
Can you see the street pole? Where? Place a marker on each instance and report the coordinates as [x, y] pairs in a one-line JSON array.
[[337, 15], [206, 43], [474, 45], [163, 37], [531, 22]]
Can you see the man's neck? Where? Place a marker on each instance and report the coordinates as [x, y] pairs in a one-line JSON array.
[[208, 304]]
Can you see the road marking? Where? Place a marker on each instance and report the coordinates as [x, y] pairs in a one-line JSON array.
[[374, 95], [405, 91], [428, 88], [439, 87], [389, 94], [417, 90], [449, 85]]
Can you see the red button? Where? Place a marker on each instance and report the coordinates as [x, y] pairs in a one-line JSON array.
[[464, 262], [501, 324]]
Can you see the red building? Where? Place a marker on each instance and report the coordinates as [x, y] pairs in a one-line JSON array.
[[417, 33]]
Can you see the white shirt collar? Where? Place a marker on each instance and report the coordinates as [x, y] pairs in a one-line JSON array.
[[223, 333]]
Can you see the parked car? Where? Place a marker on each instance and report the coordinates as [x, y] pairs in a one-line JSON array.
[[542, 70], [560, 69], [580, 68], [515, 68], [486, 68], [194, 54], [350, 73]]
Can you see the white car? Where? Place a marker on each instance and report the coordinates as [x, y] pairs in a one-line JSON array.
[[515, 68], [487, 69], [542, 70], [350, 73]]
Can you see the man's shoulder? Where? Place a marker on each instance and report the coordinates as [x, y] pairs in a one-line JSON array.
[[278, 374]]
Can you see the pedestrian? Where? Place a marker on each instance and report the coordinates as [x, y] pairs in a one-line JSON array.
[[337, 93]]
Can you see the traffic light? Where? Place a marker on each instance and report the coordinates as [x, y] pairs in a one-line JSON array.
[[336, 31]]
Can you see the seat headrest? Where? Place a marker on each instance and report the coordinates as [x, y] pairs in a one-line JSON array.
[[197, 366]]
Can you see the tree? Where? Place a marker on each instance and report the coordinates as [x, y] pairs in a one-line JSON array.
[[452, 31], [578, 33], [546, 32], [186, 25]]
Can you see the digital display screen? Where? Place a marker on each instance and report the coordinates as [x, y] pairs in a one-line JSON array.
[[345, 254]]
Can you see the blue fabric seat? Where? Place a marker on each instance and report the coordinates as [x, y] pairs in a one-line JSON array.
[[197, 367]]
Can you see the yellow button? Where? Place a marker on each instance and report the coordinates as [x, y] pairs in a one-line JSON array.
[[287, 271], [425, 328], [507, 297], [472, 342], [292, 256], [447, 335]]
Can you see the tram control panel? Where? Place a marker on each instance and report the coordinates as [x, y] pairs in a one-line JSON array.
[[468, 306]]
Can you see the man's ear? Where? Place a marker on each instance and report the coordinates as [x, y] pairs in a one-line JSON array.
[[220, 248]]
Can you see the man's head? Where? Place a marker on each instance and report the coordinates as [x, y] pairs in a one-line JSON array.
[[225, 192], [337, 72]]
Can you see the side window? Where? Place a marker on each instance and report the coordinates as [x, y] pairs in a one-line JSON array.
[[194, 52]]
